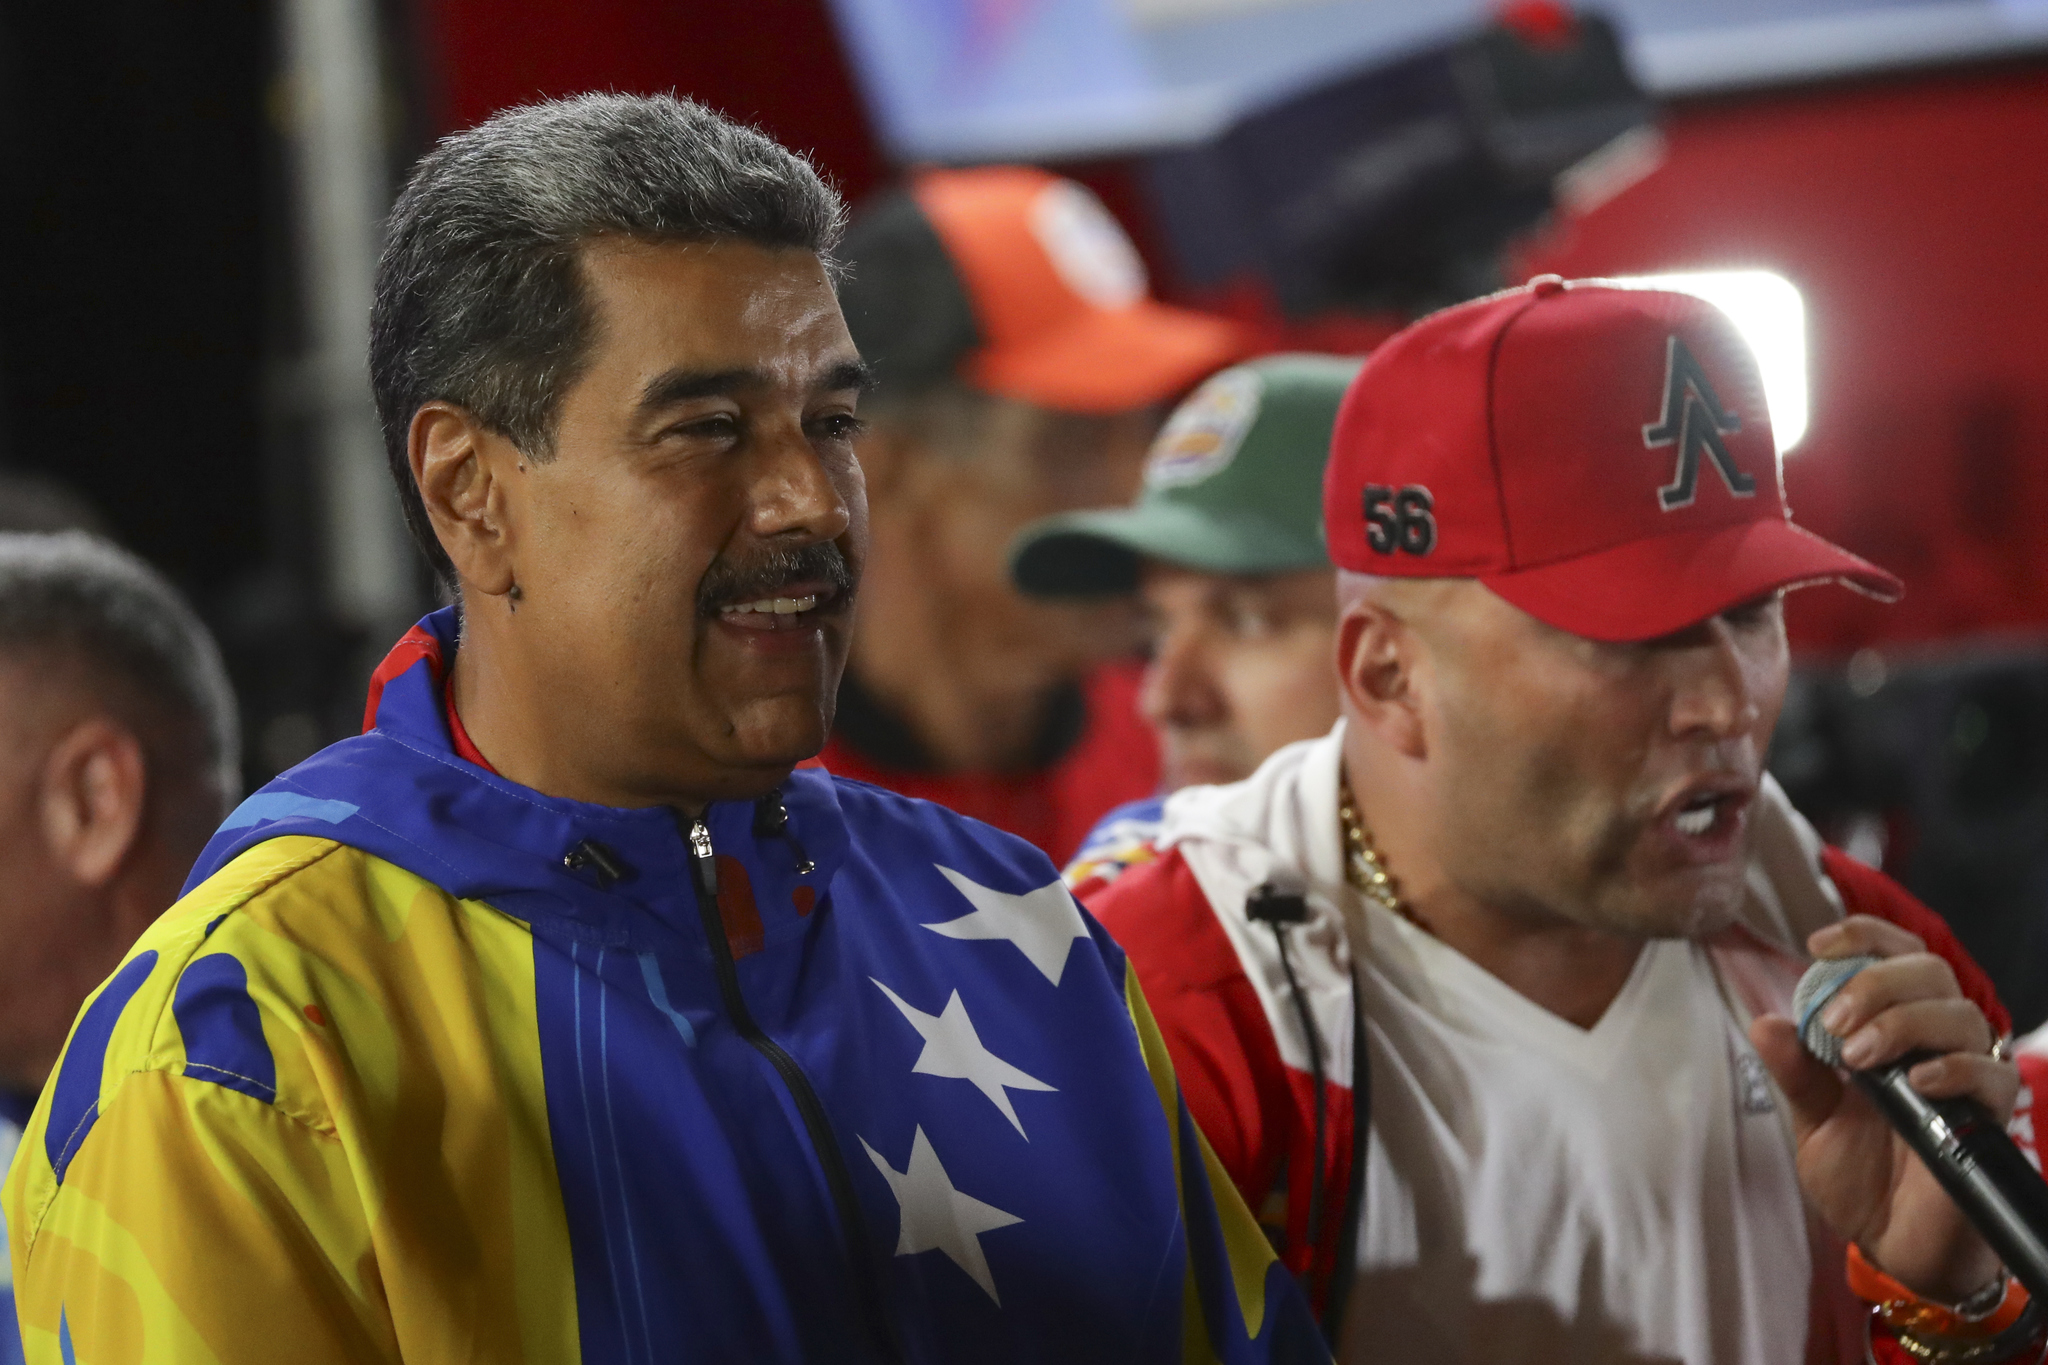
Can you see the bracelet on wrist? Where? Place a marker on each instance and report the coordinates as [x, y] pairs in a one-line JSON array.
[[1995, 1324], [2021, 1341]]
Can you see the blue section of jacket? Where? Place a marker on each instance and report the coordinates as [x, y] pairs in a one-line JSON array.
[[987, 1172]]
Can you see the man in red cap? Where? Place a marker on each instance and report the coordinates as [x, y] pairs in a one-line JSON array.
[[1021, 367], [1481, 999]]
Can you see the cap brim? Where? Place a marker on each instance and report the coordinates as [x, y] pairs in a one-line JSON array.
[[1098, 553], [1649, 588], [1110, 361]]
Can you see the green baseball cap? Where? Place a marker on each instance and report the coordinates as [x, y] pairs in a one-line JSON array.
[[1233, 485]]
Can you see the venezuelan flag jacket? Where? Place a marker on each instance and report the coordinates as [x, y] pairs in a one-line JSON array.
[[428, 1066]]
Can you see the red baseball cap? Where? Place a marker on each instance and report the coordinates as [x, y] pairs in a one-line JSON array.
[[1600, 456], [1063, 311]]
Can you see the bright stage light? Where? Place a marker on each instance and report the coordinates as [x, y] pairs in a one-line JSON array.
[[1769, 312]]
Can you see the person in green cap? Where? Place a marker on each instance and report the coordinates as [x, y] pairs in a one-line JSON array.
[[1224, 549]]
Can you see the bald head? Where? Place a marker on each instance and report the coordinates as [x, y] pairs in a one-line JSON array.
[[1416, 600], [1392, 635]]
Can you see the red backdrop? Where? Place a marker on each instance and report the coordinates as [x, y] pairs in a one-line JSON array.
[[776, 63], [1913, 215], [1911, 212]]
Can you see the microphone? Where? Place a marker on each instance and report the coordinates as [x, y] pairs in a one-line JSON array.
[[1968, 1151]]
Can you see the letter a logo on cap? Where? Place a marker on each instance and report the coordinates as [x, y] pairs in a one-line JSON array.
[[1695, 420]]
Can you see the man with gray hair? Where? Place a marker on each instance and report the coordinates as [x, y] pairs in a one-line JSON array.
[[117, 759], [558, 1017]]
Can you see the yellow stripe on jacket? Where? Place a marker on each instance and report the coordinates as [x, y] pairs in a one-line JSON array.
[[1251, 1255], [396, 1199]]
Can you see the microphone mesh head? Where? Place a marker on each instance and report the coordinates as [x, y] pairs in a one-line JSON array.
[[1815, 989]]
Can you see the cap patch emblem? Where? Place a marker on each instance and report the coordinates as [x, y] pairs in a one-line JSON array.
[[1086, 246], [1204, 433], [1694, 420]]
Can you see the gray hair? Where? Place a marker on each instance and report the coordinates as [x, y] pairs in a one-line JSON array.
[[479, 296], [75, 594]]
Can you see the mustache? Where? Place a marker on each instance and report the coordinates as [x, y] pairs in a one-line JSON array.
[[727, 581]]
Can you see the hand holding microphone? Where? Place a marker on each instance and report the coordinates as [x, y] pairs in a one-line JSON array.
[[1961, 1144], [1917, 1049]]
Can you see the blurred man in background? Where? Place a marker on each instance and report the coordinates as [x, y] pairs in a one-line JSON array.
[[1223, 550], [1538, 877], [1021, 367], [118, 757]]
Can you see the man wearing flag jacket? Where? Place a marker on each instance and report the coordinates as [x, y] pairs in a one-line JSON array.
[[1480, 997], [555, 1018]]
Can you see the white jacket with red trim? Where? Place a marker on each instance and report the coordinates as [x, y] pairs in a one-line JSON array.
[[1217, 982]]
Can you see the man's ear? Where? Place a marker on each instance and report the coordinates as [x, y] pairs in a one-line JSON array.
[[456, 463], [1378, 657], [92, 798]]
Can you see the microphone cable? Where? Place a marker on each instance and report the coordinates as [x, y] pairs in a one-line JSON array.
[[1274, 907]]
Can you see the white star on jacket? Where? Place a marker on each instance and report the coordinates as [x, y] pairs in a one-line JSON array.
[[952, 1049], [938, 1217], [1043, 924]]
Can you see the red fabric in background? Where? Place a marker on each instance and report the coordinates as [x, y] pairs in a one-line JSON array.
[[1114, 760], [774, 63], [1909, 210], [1911, 213]]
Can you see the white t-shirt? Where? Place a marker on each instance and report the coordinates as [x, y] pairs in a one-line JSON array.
[[1541, 1193]]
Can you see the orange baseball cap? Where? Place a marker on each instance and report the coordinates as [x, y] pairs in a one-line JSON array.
[[1050, 300]]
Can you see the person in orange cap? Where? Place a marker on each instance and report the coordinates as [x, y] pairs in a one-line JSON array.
[[1022, 366]]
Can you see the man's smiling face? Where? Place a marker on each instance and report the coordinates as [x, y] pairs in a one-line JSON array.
[[687, 560]]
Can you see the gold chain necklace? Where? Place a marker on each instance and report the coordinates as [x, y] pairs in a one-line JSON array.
[[1364, 866]]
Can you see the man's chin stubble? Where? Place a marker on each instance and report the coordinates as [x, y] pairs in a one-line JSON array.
[[1708, 911]]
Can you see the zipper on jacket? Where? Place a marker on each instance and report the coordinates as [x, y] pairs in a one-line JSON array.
[[771, 821], [853, 1225]]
